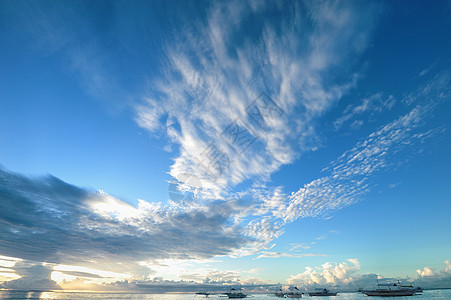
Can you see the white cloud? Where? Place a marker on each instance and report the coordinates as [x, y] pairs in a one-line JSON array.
[[208, 86], [346, 179], [197, 270], [295, 247], [109, 229], [87, 273], [7, 272], [427, 271], [347, 276], [430, 278], [74, 222], [329, 274], [372, 104], [202, 100], [393, 185], [273, 254], [7, 261], [33, 276]]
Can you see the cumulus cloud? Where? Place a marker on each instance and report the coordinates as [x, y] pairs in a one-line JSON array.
[[33, 276], [342, 276], [329, 274], [430, 278], [427, 271], [346, 276]]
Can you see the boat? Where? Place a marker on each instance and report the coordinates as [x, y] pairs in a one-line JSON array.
[[280, 294], [391, 290], [322, 292], [206, 294], [234, 294], [389, 293], [295, 293]]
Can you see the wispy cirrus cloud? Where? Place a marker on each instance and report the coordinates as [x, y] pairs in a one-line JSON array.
[[372, 104], [297, 247], [210, 99], [274, 254], [347, 178]]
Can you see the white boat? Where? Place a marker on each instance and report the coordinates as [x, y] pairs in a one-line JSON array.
[[322, 292], [234, 294], [391, 290], [389, 293]]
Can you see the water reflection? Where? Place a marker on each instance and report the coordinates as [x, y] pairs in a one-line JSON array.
[[21, 295]]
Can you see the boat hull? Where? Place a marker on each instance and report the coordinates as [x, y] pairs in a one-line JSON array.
[[236, 296], [322, 294], [392, 293]]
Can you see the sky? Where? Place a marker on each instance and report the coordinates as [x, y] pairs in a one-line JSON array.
[[186, 145]]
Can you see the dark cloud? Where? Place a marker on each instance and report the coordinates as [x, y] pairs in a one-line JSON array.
[[33, 277], [45, 219]]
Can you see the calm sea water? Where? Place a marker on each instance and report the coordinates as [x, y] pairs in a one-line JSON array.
[[432, 294]]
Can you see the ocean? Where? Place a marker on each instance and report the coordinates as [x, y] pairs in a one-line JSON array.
[[429, 294]]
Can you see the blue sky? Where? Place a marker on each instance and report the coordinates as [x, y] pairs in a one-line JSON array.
[[301, 143]]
